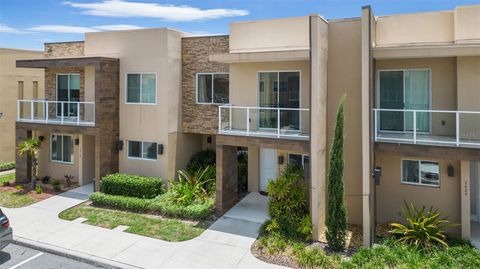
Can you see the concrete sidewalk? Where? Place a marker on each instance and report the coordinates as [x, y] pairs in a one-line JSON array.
[[226, 244]]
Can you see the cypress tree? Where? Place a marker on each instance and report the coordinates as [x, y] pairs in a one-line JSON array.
[[336, 219]]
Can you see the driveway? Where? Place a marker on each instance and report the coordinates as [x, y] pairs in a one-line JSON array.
[[226, 244]]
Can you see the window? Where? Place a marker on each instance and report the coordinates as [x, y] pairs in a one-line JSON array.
[[213, 88], [68, 90], [141, 88], [302, 161], [142, 150], [61, 148], [421, 172]]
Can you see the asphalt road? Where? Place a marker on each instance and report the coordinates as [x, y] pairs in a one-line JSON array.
[[18, 257]]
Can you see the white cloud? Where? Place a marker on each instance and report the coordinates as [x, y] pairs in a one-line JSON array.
[[7, 29], [68, 29], [64, 29], [121, 8], [117, 27]]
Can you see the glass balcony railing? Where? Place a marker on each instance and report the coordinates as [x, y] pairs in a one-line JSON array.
[[292, 123], [56, 112], [428, 127]]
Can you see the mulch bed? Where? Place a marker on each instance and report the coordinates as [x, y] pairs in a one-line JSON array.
[[354, 241], [47, 190]]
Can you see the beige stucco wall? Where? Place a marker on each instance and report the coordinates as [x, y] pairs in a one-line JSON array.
[[269, 35], [468, 90], [148, 50], [57, 170], [344, 77], [460, 26], [391, 193], [467, 24], [443, 87], [415, 28], [9, 78]]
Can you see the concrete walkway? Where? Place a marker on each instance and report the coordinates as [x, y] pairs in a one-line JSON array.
[[226, 244]]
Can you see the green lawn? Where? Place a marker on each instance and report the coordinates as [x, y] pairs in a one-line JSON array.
[[146, 225], [13, 199], [7, 178]]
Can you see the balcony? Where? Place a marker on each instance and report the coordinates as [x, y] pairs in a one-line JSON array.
[[287, 123], [432, 127], [56, 112]]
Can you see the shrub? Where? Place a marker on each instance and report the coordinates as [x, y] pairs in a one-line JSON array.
[[193, 186], [38, 190], [120, 202], [201, 160], [68, 179], [312, 257], [288, 203], [20, 187], [56, 185], [132, 186], [46, 179], [336, 219], [164, 205], [425, 228], [7, 166]]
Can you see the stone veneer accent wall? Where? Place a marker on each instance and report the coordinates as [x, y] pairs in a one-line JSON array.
[[64, 49], [51, 81], [200, 118]]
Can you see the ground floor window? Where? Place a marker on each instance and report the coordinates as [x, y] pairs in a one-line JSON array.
[[61, 148], [142, 150], [302, 161], [421, 172]]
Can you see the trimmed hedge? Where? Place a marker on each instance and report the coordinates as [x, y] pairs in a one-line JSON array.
[[132, 186], [7, 166], [162, 205]]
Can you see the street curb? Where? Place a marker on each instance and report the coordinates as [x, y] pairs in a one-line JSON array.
[[75, 255]]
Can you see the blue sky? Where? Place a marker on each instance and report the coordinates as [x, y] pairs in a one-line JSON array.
[[29, 23]]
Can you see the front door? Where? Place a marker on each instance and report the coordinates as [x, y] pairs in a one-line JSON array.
[[268, 167], [475, 191], [404, 89]]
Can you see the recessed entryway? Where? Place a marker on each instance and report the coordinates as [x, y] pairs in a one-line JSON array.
[[268, 167]]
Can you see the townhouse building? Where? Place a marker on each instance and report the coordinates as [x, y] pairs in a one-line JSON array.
[[144, 101], [15, 83]]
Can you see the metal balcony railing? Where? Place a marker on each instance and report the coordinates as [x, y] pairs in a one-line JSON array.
[[428, 127], [56, 112], [292, 123]]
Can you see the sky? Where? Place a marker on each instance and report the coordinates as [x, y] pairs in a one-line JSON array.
[[27, 24]]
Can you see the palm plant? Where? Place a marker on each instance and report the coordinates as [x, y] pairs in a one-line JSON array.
[[192, 186], [30, 148], [425, 228]]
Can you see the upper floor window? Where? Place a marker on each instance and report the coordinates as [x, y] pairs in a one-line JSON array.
[[141, 88], [61, 148], [142, 150], [213, 88], [421, 172]]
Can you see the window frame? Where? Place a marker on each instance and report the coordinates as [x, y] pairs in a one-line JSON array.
[[141, 87], [73, 147], [419, 183], [212, 90], [141, 151], [303, 160]]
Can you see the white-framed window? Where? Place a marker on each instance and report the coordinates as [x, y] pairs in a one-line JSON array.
[[141, 88], [301, 160], [61, 148], [212, 88], [142, 150], [419, 172]]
